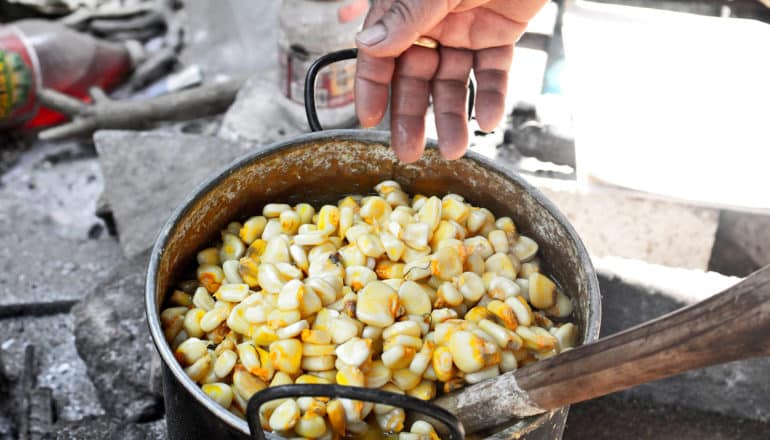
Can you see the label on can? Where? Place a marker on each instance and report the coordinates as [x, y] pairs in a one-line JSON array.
[[17, 80], [333, 86]]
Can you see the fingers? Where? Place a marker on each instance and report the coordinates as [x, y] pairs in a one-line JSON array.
[[477, 29], [401, 24], [411, 88], [373, 76], [450, 92], [490, 66]]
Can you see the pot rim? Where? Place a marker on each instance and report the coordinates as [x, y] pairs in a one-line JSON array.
[[152, 311]]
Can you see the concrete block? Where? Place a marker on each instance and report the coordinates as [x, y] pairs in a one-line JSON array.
[[147, 174]]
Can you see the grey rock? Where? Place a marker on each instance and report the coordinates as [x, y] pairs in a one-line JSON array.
[[257, 115], [742, 243], [59, 366], [738, 389], [53, 248], [112, 338], [147, 174], [108, 428]]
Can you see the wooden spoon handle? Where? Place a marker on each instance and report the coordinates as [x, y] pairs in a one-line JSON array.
[[732, 325]]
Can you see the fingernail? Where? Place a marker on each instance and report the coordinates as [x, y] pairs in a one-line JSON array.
[[372, 35]]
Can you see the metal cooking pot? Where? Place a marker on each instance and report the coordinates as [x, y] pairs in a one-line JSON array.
[[319, 168]]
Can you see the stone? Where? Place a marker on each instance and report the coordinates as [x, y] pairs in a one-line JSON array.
[[110, 429], [147, 174], [112, 338], [58, 365], [613, 417], [737, 389], [626, 224], [742, 243], [53, 248], [257, 115]]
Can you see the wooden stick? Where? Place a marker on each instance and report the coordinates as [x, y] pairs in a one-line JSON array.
[[729, 326]]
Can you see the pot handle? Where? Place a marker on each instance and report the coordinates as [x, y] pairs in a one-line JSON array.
[[346, 54], [453, 425]]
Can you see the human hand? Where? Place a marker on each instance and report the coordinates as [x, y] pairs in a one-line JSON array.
[[473, 34]]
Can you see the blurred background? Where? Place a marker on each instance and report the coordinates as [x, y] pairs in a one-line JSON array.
[[645, 121]]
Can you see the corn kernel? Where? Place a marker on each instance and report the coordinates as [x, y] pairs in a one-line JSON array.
[[416, 235], [524, 249], [337, 419], [200, 369], [562, 307], [232, 247], [286, 355], [521, 309], [317, 363], [566, 336], [377, 304], [210, 276], [486, 373], [285, 416], [470, 286], [442, 363], [375, 210], [208, 256], [504, 313], [397, 357], [454, 209], [425, 390], [310, 425], [536, 340], [192, 322], [430, 213], [377, 375], [479, 245], [232, 292], [252, 229], [190, 351], [542, 291], [354, 351], [328, 218], [213, 318]]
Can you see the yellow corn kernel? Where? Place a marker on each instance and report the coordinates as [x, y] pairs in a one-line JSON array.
[[252, 229], [425, 390], [470, 286], [328, 218], [442, 363], [310, 303], [377, 304], [438, 316], [386, 269], [566, 336], [502, 265], [542, 291], [386, 187], [351, 376], [351, 255], [405, 379], [467, 351], [219, 392], [354, 351], [430, 213], [476, 314], [336, 414], [318, 337], [248, 269], [454, 209], [200, 369], [521, 309], [397, 357], [262, 335], [190, 351], [504, 313], [561, 308], [445, 231], [359, 276], [180, 298], [305, 212], [256, 249], [285, 416], [310, 350], [375, 210], [208, 256], [290, 221], [210, 276], [286, 355], [272, 229], [536, 340], [524, 249]]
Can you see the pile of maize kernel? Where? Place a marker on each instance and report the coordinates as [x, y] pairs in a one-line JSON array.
[[414, 295]]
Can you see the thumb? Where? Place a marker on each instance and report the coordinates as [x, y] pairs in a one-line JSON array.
[[401, 24]]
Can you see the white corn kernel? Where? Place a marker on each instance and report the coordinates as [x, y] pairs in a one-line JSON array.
[[359, 276], [377, 304], [290, 295], [232, 292], [232, 247], [306, 212], [208, 256], [502, 287], [344, 328], [272, 229], [406, 328], [328, 218], [292, 330], [213, 318], [536, 339], [192, 322], [418, 269], [299, 256], [219, 392], [416, 235], [521, 309], [202, 299], [508, 361], [311, 425], [317, 363], [354, 351], [225, 363], [470, 286], [467, 351], [503, 337], [406, 379], [285, 416], [430, 213], [375, 210], [252, 229], [524, 249], [476, 220], [274, 210], [562, 307], [448, 295], [280, 318], [350, 375], [446, 264], [290, 221], [438, 316], [397, 357], [200, 369], [566, 336], [377, 375], [499, 241], [486, 373], [191, 350], [502, 265], [454, 209], [479, 245]]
